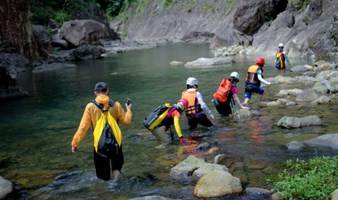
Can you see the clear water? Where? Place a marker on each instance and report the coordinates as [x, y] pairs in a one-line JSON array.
[[36, 132]]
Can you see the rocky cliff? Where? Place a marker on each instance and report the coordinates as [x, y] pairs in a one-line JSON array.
[[308, 28]]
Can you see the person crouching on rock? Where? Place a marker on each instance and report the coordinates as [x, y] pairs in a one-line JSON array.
[[196, 106], [161, 120], [226, 96], [103, 115], [254, 79], [281, 58]]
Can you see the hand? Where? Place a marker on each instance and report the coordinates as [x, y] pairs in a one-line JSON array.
[[183, 141], [128, 104], [74, 149], [212, 116]]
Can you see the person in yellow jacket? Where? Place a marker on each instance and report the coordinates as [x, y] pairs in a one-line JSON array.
[[103, 116], [281, 58]]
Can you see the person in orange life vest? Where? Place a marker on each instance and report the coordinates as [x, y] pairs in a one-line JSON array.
[[281, 58], [172, 118], [197, 107], [226, 95], [94, 111], [254, 80]]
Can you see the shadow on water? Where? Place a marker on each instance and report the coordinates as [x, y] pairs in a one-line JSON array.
[[36, 132]]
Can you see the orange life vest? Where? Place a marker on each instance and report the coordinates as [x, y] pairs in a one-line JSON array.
[[280, 57], [252, 76], [223, 91], [190, 95]]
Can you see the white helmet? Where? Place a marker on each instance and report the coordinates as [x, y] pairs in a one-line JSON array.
[[192, 81], [280, 45], [235, 75]]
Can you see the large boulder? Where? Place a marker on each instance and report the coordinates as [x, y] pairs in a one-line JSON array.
[[323, 65], [204, 62], [307, 95], [326, 75], [6, 187], [327, 140], [87, 52], [296, 122], [78, 32], [217, 184], [301, 68], [251, 15], [42, 37], [192, 168], [292, 92], [334, 195], [320, 88], [322, 100]]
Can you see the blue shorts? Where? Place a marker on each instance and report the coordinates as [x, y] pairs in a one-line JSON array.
[[250, 88]]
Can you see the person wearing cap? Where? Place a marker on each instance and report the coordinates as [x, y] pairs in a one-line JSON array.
[[254, 79], [281, 58], [172, 118], [104, 164], [226, 96], [197, 108]]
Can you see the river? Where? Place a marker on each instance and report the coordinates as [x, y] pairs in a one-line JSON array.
[[36, 132]]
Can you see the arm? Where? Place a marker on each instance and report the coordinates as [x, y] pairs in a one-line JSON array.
[[260, 78], [83, 128], [177, 126], [203, 104], [235, 96], [120, 115]]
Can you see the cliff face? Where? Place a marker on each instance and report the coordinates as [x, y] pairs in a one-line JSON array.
[[305, 29]]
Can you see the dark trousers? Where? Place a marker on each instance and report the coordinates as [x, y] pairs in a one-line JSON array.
[[105, 165], [225, 108], [198, 118]]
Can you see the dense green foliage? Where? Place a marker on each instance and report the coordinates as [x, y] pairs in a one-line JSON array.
[[314, 179]]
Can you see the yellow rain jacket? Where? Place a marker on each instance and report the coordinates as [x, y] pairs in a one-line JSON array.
[[92, 114]]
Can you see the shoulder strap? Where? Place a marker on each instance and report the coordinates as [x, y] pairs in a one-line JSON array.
[[100, 106]]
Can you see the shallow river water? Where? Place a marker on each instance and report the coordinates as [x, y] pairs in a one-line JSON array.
[[36, 132]]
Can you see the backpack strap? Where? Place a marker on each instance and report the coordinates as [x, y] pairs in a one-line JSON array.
[[100, 106]]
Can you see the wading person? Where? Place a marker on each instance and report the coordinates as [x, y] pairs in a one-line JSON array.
[[281, 58], [103, 115], [197, 108], [226, 96], [161, 120], [254, 80]]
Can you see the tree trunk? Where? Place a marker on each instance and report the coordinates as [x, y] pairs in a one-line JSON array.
[[16, 28]]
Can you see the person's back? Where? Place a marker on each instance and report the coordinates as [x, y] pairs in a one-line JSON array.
[[103, 110]]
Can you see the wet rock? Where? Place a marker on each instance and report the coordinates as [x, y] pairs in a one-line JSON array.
[[192, 168], [57, 41], [45, 67], [334, 195], [322, 100], [295, 122], [260, 193], [326, 75], [291, 103], [176, 63], [320, 88], [301, 68], [6, 187], [307, 80], [293, 92], [151, 198], [327, 140], [277, 196], [307, 95], [203, 146], [87, 52], [323, 65], [229, 51], [243, 114], [294, 145], [203, 62], [282, 79], [78, 32], [217, 184]]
